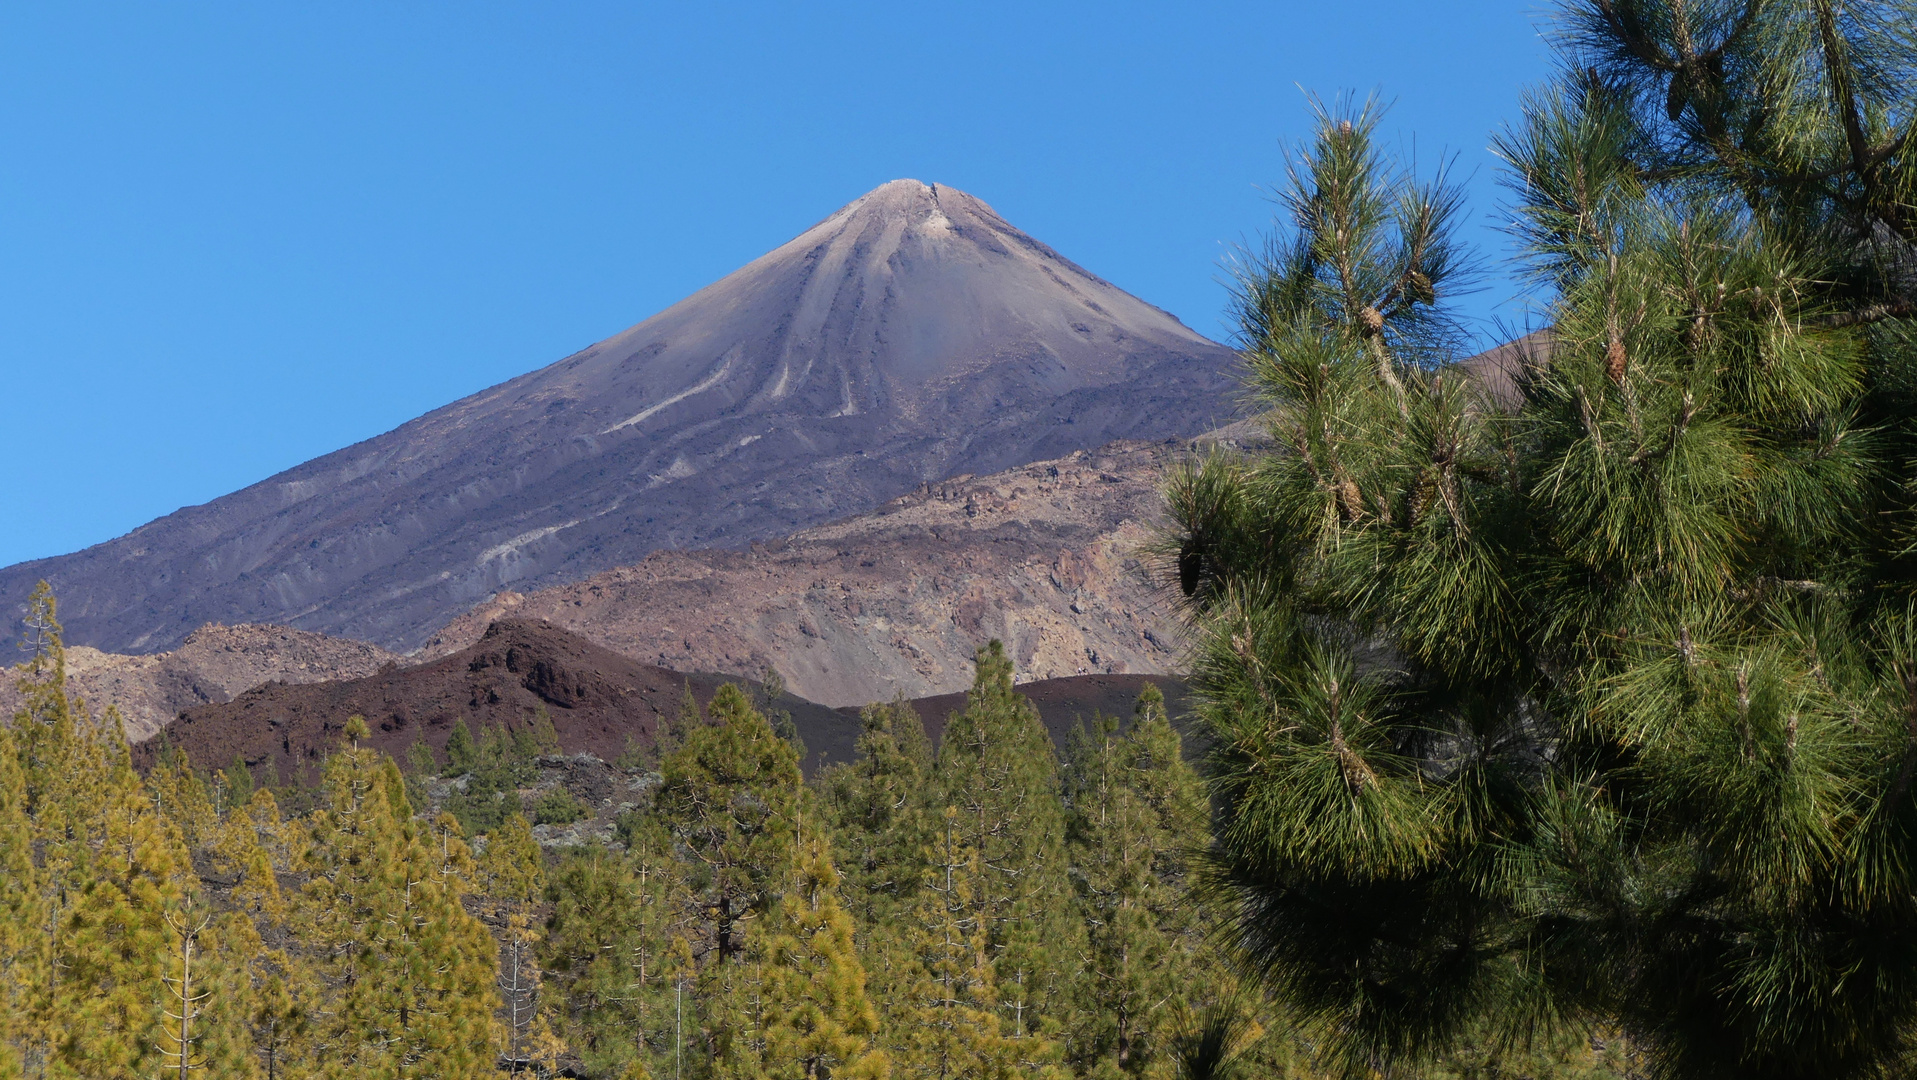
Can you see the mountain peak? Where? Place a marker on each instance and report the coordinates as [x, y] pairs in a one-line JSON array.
[[912, 335]]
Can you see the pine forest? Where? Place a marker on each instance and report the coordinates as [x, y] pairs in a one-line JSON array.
[[1553, 710]]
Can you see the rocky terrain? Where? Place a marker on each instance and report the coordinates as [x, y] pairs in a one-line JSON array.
[[910, 336], [213, 665], [1049, 558], [601, 706], [599, 703]]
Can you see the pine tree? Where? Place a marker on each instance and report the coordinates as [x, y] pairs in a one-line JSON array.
[[608, 948], [236, 781], [819, 1022], [878, 811], [875, 806], [98, 880], [106, 1012], [462, 753], [1136, 812], [674, 732], [206, 995], [998, 769], [61, 760], [20, 921], [275, 980], [513, 881], [947, 1023], [731, 795], [182, 797], [410, 972], [105, 869], [512, 871], [1580, 697]]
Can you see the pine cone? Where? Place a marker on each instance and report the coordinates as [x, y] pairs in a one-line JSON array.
[[1676, 98], [1373, 321], [1615, 361], [1350, 499], [1418, 288]]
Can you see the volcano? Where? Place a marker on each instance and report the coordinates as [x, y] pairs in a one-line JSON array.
[[910, 337]]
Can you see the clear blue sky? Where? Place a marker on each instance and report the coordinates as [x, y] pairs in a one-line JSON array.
[[237, 236]]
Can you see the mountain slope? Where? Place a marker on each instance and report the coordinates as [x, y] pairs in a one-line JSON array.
[[912, 335], [599, 703], [1046, 557]]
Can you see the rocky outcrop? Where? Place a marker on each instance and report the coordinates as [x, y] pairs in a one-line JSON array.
[[517, 672], [214, 664], [522, 672], [1050, 558]]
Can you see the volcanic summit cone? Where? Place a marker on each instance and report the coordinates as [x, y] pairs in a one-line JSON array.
[[911, 336]]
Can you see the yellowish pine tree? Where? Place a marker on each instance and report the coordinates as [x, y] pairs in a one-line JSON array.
[[530, 1044], [183, 799], [244, 849], [206, 996], [951, 1027], [281, 1025], [351, 845], [512, 873], [106, 1010], [273, 976], [210, 984], [455, 869], [20, 923], [511, 870], [819, 1020], [410, 971], [63, 763]]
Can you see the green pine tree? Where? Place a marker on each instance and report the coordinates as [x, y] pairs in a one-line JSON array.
[[236, 781], [731, 796], [1136, 813], [947, 1023], [462, 753], [875, 806], [1578, 696], [879, 815], [609, 946], [998, 769]]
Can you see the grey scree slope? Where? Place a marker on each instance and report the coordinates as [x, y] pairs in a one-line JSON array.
[[912, 336]]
